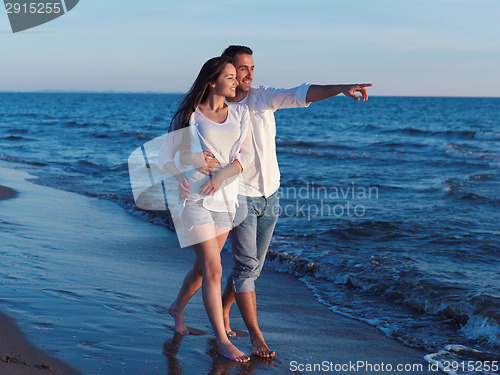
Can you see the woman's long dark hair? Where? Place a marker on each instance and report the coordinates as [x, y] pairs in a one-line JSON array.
[[209, 73]]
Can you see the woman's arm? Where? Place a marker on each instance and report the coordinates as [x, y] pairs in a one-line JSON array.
[[218, 177], [166, 161], [184, 191]]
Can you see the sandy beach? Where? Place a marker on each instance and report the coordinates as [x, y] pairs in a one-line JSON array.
[[89, 284], [6, 193], [19, 357]]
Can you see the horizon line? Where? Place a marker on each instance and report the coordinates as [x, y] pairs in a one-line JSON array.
[[50, 91]]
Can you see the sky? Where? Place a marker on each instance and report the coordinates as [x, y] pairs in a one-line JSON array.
[[403, 47]]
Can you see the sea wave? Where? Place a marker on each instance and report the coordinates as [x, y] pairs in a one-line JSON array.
[[81, 124], [464, 190], [458, 134], [373, 229], [399, 144], [483, 177], [298, 143], [16, 138], [461, 360], [22, 161], [487, 135], [475, 317], [467, 152], [136, 134]]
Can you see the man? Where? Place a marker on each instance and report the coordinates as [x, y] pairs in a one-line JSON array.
[[250, 239]]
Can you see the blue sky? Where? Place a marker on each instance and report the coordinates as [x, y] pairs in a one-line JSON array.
[[410, 47]]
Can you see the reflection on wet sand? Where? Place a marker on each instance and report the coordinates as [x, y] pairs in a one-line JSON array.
[[220, 365]]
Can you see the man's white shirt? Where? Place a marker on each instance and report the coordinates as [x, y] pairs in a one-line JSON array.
[[262, 178]]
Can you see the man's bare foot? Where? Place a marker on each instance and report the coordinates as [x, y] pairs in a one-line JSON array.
[[228, 350], [180, 327], [229, 331], [260, 349]]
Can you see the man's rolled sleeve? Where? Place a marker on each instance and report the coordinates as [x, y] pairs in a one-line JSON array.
[[288, 98], [301, 95]]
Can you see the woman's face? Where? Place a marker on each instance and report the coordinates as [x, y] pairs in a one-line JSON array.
[[226, 84]]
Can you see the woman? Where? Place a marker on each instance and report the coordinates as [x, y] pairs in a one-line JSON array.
[[205, 125]]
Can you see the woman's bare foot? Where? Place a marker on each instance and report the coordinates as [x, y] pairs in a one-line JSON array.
[[260, 349], [227, 327], [179, 320], [228, 350]]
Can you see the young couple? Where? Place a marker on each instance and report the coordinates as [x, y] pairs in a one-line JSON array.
[[221, 149]]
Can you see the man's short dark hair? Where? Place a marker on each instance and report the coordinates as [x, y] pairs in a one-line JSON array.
[[232, 51]]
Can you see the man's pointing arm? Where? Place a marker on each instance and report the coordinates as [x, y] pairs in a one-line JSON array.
[[320, 92]]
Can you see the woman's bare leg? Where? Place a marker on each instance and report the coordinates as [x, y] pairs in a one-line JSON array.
[[208, 252], [191, 284]]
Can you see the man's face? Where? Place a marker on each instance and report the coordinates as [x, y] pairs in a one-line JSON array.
[[244, 71]]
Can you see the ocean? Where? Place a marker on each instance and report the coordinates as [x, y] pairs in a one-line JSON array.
[[389, 208]]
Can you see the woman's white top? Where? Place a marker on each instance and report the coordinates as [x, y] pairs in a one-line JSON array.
[[228, 141]]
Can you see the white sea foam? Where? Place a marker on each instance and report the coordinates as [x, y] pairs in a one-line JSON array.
[[487, 135], [435, 358], [481, 328], [456, 359], [455, 150]]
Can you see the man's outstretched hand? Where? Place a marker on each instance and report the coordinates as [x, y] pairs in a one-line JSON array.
[[350, 90]]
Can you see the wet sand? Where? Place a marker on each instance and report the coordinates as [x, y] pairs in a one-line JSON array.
[[19, 357], [102, 307], [6, 193]]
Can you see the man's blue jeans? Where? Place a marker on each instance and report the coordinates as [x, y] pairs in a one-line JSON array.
[[250, 240]]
